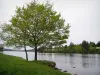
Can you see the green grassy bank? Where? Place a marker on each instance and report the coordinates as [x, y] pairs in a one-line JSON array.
[[11, 65]]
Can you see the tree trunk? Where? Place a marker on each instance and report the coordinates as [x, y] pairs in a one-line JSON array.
[[26, 53], [35, 52]]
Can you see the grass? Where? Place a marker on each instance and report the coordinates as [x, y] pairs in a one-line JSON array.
[[11, 65]]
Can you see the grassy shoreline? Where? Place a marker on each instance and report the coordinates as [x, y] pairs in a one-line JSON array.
[[12, 65]]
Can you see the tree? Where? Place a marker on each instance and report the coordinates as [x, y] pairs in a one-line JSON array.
[[78, 48], [71, 47], [92, 44], [71, 44], [12, 35], [36, 25], [85, 46], [98, 44]]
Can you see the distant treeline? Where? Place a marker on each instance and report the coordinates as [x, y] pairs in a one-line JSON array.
[[1, 48], [84, 48]]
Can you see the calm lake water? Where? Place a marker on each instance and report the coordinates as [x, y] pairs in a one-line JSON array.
[[80, 64]]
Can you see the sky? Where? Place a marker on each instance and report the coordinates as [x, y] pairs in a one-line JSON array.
[[82, 15]]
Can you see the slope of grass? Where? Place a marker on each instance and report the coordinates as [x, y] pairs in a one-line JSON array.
[[11, 65]]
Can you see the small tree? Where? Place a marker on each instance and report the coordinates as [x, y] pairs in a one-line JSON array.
[[12, 36], [71, 48], [85, 46], [71, 45], [36, 25], [98, 44]]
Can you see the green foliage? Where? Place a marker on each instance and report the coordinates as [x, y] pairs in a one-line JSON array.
[[36, 25], [41, 49], [98, 44], [78, 49], [85, 46], [11, 65], [1, 48], [92, 50], [71, 44], [98, 51], [92, 44]]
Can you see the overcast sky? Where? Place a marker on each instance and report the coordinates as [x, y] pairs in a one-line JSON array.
[[83, 16]]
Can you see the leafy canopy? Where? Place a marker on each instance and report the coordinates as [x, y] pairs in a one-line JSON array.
[[35, 25]]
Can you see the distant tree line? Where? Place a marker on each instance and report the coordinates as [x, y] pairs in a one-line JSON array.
[[1, 48], [85, 48]]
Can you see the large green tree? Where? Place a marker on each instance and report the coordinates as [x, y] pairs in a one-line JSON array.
[[36, 25]]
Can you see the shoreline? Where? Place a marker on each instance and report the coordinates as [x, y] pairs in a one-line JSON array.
[[22, 67]]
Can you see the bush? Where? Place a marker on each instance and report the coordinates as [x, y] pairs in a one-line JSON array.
[[48, 63]]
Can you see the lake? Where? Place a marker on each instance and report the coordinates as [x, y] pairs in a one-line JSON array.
[[80, 64]]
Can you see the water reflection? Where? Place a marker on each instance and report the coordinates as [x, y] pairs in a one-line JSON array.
[[98, 60], [88, 61], [72, 60]]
